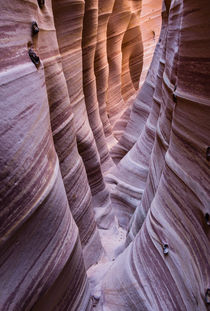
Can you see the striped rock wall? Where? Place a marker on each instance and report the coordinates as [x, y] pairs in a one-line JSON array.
[[165, 265], [90, 131], [55, 136]]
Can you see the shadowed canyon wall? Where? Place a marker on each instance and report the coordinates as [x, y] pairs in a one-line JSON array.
[[166, 174], [104, 131]]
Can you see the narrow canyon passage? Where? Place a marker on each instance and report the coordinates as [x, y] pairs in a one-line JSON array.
[[104, 155]]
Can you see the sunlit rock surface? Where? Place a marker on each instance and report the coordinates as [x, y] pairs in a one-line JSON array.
[[104, 155], [166, 265]]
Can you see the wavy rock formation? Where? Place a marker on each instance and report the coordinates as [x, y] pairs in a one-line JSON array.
[[101, 66], [104, 157], [63, 130], [169, 254], [133, 58], [41, 259], [68, 17], [124, 52], [142, 102], [150, 31], [130, 175]]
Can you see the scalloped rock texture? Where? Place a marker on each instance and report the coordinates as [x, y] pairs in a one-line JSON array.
[[165, 265], [104, 155]]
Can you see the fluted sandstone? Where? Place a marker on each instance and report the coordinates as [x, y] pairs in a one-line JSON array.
[[124, 51], [101, 66], [169, 253], [89, 141], [62, 124], [46, 106], [39, 241], [130, 175], [69, 23]]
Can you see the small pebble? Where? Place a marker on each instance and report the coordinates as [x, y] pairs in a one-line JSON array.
[[165, 249]]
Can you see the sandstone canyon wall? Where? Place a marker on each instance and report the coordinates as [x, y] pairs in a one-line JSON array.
[[166, 172], [104, 130]]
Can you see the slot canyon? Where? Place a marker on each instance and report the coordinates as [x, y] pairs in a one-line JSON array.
[[104, 155]]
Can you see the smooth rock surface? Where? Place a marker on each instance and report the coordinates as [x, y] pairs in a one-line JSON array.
[[104, 155], [168, 253]]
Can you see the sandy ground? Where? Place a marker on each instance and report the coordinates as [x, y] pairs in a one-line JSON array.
[[113, 241]]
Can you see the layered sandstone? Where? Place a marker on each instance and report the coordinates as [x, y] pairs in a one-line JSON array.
[[168, 235], [104, 151]]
